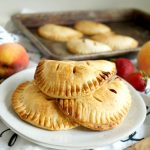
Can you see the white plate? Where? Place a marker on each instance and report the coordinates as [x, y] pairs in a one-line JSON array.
[[79, 138]]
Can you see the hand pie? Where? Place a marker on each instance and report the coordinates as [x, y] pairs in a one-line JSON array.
[[102, 110], [37, 109], [115, 41], [69, 79], [86, 46], [90, 27], [58, 33]]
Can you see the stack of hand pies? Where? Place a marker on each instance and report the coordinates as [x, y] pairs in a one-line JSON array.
[[66, 94]]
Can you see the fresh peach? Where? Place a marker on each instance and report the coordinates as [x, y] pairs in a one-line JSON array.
[[13, 58], [143, 58]]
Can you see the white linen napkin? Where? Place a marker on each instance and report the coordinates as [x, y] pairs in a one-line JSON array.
[[10, 140]]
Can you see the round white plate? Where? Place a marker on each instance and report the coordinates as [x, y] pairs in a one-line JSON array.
[[78, 138]]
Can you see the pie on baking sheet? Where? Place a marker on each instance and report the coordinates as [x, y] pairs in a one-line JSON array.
[[90, 27], [58, 33], [86, 46], [116, 41]]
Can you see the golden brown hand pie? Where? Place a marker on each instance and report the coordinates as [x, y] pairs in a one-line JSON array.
[[69, 79], [58, 33], [90, 27], [103, 110], [86, 46], [37, 109], [116, 41]]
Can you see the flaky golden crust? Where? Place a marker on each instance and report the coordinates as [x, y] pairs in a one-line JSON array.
[[86, 46], [90, 27], [37, 109], [103, 110], [69, 79], [116, 41], [58, 33]]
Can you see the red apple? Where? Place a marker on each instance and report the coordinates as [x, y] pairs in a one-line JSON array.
[[13, 58]]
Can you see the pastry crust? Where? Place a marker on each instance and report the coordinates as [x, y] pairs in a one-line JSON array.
[[90, 27], [116, 41], [58, 33], [38, 109], [86, 46], [70, 79], [103, 110]]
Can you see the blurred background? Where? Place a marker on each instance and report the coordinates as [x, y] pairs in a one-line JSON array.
[[9, 7]]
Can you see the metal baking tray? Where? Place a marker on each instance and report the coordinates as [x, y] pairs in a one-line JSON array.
[[131, 22]]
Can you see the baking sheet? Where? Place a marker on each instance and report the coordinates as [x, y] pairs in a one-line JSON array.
[[130, 22]]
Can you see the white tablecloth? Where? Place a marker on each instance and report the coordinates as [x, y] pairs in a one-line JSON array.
[[10, 140]]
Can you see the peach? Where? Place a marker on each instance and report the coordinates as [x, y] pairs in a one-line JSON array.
[[143, 58], [13, 58]]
